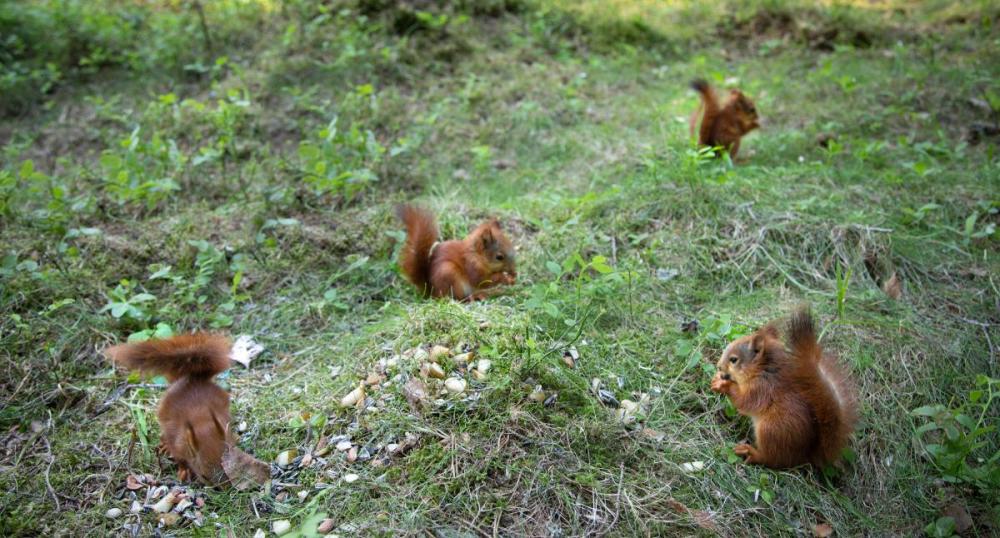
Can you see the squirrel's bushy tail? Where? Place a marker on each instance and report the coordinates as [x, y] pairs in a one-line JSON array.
[[802, 336], [421, 233], [702, 86], [805, 347], [197, 355], [710, 106]]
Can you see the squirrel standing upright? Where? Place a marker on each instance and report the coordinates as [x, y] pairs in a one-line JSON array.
[[802, 405], [726, 123], [194, 411], [463, 269]]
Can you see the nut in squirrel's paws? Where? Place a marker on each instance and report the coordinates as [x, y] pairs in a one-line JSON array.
[[505, 278], [720, 385]]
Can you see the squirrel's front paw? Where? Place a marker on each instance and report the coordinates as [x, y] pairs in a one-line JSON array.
[[746, 451], [183, 473]]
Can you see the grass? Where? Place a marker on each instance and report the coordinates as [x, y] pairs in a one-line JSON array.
[[232, 198]]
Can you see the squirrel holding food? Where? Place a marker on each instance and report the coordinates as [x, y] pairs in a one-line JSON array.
[[802, 404], [465, 269]]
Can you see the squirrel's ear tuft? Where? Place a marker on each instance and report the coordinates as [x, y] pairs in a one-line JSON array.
[[759, 341], [487, 238], [757, 345]]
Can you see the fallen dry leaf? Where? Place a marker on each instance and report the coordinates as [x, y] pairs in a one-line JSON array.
[[650, 433], [243, 470], [702, 518], [245, 350], [822, 530], [963, 521], [133, 482], [892, 287], [415, 392]]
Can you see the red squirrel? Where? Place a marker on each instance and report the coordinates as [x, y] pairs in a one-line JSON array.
[[802, 405], [726, 123], [463, 269], [194, 411]]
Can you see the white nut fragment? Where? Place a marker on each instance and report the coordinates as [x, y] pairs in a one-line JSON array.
[[183, 505], [455, 385], [285, 458], [165, 504], [629, 406], [281, 526], [435, 371], [692, 466], [353, 397], [437, 352], [418, 353]]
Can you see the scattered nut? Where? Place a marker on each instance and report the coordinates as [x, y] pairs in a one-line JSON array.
[[281, 526], [435, 371], [354, 397], [165, 504], [285, 458], [455, 385], [437, 352]]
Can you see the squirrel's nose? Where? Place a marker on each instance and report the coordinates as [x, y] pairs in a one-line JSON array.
[[726, 377]]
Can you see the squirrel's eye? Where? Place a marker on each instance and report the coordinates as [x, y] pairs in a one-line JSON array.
[[499, 257], [733, 358]]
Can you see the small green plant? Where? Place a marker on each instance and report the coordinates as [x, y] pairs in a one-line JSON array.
[[713, 334], [143, 170], [970, 232], [942, 527], [953, 439], [161, 330], [919, 215], [44, 200], [123, 303], [590, 278], [763, 491], [141, 421], [340, 162], [843, 276]]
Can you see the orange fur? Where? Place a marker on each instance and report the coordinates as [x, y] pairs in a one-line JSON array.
[[723, 124], [194, 411], [463, 269], [802, 405]]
